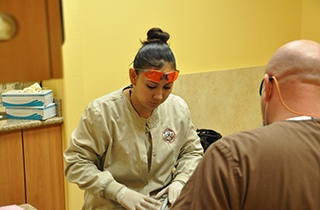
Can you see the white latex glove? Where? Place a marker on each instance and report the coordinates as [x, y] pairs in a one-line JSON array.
[[173, 191], [133, 200]]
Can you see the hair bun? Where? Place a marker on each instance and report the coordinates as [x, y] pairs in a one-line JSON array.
[[157, 35]]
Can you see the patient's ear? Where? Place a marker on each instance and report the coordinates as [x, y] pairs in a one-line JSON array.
[[267, 88]]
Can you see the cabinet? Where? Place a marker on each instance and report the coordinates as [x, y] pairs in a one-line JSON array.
[[31, 165], [34, 52], [12, 185]]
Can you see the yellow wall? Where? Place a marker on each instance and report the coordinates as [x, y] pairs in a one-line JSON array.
[[310, 20], [103, 36]]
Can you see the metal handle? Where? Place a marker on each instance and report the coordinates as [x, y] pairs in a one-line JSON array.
[[7, 27]]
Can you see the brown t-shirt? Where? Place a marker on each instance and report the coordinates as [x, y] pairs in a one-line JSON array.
[[276, 167]]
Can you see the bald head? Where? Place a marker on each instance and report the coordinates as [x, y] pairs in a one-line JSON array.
[[299, 60], [296, 88]]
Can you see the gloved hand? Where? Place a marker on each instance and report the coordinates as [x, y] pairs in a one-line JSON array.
[[173, 191], [133, 200]]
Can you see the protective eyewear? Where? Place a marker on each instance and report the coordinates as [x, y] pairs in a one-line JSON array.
[[156, 75]]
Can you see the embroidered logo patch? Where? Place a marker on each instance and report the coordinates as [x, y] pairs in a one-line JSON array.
[[168, 135]]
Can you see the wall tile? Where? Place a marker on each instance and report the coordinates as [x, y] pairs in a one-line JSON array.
[[226, 101]]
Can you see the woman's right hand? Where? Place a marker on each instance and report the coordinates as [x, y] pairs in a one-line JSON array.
[[133, 200]]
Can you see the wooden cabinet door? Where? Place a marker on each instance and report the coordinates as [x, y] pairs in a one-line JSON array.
[[12, 186], [28, 56], [56, 33], [44, 167]]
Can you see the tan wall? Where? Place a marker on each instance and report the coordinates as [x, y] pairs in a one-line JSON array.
[[225, 101]]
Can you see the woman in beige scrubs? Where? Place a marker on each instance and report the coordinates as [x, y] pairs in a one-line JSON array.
[[136, 146]]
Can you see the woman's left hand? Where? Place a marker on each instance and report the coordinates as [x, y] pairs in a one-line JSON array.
[[173, 191]]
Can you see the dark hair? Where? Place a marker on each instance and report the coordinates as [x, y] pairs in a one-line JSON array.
[[154, 51]]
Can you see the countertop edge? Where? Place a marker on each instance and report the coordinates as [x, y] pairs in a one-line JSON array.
[[13, 124]]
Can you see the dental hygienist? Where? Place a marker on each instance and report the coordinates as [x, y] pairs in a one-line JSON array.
[[135, 148]]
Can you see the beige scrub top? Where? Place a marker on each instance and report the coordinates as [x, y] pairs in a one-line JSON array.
[[113, 147]]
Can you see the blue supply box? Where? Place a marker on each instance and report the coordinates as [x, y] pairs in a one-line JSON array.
[[31, 112], [20, 98], [29, 106]]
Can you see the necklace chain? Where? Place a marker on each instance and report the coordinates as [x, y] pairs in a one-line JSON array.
[[130, 92]]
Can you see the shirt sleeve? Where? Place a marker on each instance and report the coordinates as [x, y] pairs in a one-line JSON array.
[[85, 154], [191, 151], [214, 183]]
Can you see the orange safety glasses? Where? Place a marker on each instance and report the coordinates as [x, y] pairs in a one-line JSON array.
[[156, 75]]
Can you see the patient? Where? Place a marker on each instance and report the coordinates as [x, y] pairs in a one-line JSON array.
[[276, 166]]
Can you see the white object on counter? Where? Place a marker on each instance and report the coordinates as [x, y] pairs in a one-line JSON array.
[[11, 207], [35, 88]]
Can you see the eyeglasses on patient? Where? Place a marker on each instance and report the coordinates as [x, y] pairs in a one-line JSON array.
[[262, 82], [156, 75]]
